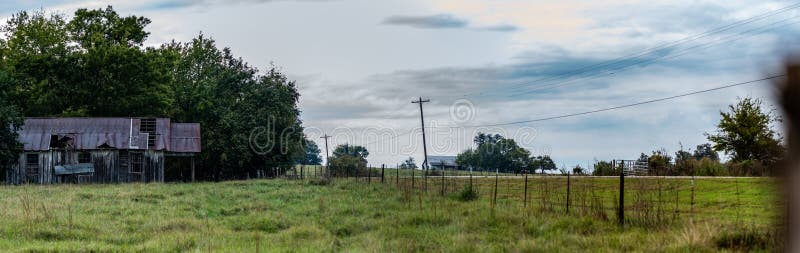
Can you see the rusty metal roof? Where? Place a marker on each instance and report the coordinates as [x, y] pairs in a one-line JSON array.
[[116, 133], [185, 138]]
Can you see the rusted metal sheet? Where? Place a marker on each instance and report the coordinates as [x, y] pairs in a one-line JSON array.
[[109, 133], [185, 138], [89, 133]]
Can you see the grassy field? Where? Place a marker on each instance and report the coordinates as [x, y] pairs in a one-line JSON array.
[[352, 216]]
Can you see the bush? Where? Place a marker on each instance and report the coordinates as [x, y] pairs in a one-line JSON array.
[[749, 239], [708, 167], [320, 181], [467, 194]]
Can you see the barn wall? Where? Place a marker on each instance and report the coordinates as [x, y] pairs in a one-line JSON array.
[[106, 166], [16, 173]]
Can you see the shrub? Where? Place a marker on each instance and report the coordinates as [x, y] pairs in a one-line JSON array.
[[748, 239], [467, 194], [708, 167], [320, 181]]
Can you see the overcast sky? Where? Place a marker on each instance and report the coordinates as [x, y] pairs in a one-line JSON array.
[[360, 63]]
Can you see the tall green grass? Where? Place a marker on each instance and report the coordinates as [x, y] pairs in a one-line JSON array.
[[352, 216]]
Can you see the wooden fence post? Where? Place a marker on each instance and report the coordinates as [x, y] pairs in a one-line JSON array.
[[425, 178], [412, 178], [442, 171], [383, 170], [568, 188], [397, 176], [525, 196], [494, 198]]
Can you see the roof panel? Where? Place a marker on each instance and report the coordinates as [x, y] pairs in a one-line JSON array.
[[91, 133], [185, 137]]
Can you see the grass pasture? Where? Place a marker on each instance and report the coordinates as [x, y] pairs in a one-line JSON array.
[[353, 216]]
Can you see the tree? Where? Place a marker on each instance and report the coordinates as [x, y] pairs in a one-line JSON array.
[[604, 168], [544, 163], [659, 163], [745, 133], [705, 151], [250, 120], [310, 155], [349, 160], [408, 164], [92, 65], [10, 122], [578, 170], [95, 64], [494, 152]]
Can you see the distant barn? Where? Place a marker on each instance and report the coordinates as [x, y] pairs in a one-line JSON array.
[[101, 150], [442, 162]]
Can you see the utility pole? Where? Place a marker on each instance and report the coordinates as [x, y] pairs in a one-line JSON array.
[[424, 144], [327, 159]]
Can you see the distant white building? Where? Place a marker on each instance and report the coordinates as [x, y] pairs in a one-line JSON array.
[[442, 162]]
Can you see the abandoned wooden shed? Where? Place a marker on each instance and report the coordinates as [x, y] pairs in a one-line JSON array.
[[101, 150]]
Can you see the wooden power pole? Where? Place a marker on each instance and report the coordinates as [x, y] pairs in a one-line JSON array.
[[424, 144], [327, 159]]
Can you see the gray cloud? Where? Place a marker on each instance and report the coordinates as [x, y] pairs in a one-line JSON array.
[[440, 21], [444, 21], [172, 4], [500, 28]]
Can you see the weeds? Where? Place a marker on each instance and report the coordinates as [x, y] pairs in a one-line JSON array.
[[467, 194]]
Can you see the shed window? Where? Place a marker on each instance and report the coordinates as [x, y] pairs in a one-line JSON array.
[[32, 160], [32, 166], [85, 157], [136, 166], [149, 127]]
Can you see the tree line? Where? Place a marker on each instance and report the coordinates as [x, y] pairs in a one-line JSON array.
[[745, 133], [96, 64], [497, 153]]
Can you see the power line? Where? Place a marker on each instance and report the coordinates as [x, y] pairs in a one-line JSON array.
[[629, 105], [635, 56], [683, 52], [596, 111]]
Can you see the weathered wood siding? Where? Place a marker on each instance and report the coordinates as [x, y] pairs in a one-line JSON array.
[[106, 163]]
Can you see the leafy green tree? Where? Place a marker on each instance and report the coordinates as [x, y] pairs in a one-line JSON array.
[[96, 64], [10, 122], [705, 151], [250, 120], [349, 160], [578, 170], [408, 164], [604, 168], [659, 163], [310, 155], [37, 54], [544, 163], [494, 152], [92, 65], [745, 133]]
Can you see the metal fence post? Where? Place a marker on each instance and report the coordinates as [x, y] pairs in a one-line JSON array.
[[621, 211], [383, 171]]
